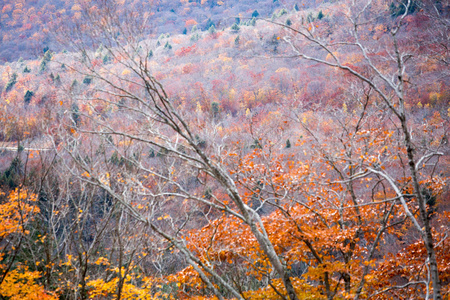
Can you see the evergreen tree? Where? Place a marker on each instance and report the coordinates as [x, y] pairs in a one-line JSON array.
[[151, 153], [27, 98], [57, 80], [42, 66], [11, 82], [235, 27], [215, 109], [75, 114], [105, 59], [87, 80], [236, 41], [320, 15], [47, 57], [11, 176], [74, 84], [256, 145], [195, 37], [212, 29], [209, 23], [288, 144], [282, 12]]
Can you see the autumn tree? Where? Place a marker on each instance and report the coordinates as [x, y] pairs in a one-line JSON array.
[[310, 220], [171, 135], [389, 77], [17, 210]]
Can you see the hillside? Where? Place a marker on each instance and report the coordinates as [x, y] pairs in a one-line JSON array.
[[27, 27], [298, 154]]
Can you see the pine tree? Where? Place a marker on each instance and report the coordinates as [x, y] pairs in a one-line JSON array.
[[209, 23], [87, 80], [282, 12], [320, 15], [236, 41], [288, 144], [11, 82], [27, 98], [235, 27], [105, 59], [215, 109]]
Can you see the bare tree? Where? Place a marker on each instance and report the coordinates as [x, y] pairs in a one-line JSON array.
[[153, 121], [387, 76], [170, 173]]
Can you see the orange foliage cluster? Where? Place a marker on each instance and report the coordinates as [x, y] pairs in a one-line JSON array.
[[19, 282]]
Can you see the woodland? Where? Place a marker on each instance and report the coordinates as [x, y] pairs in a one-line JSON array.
[[224, 149]]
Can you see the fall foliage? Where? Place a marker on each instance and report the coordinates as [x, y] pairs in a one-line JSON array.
[[289, 152]]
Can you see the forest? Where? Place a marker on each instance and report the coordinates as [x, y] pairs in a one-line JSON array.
[[26, 26], [224, 149]]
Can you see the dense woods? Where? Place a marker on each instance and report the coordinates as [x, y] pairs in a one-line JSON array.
[[26, 27], [225, 150]]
